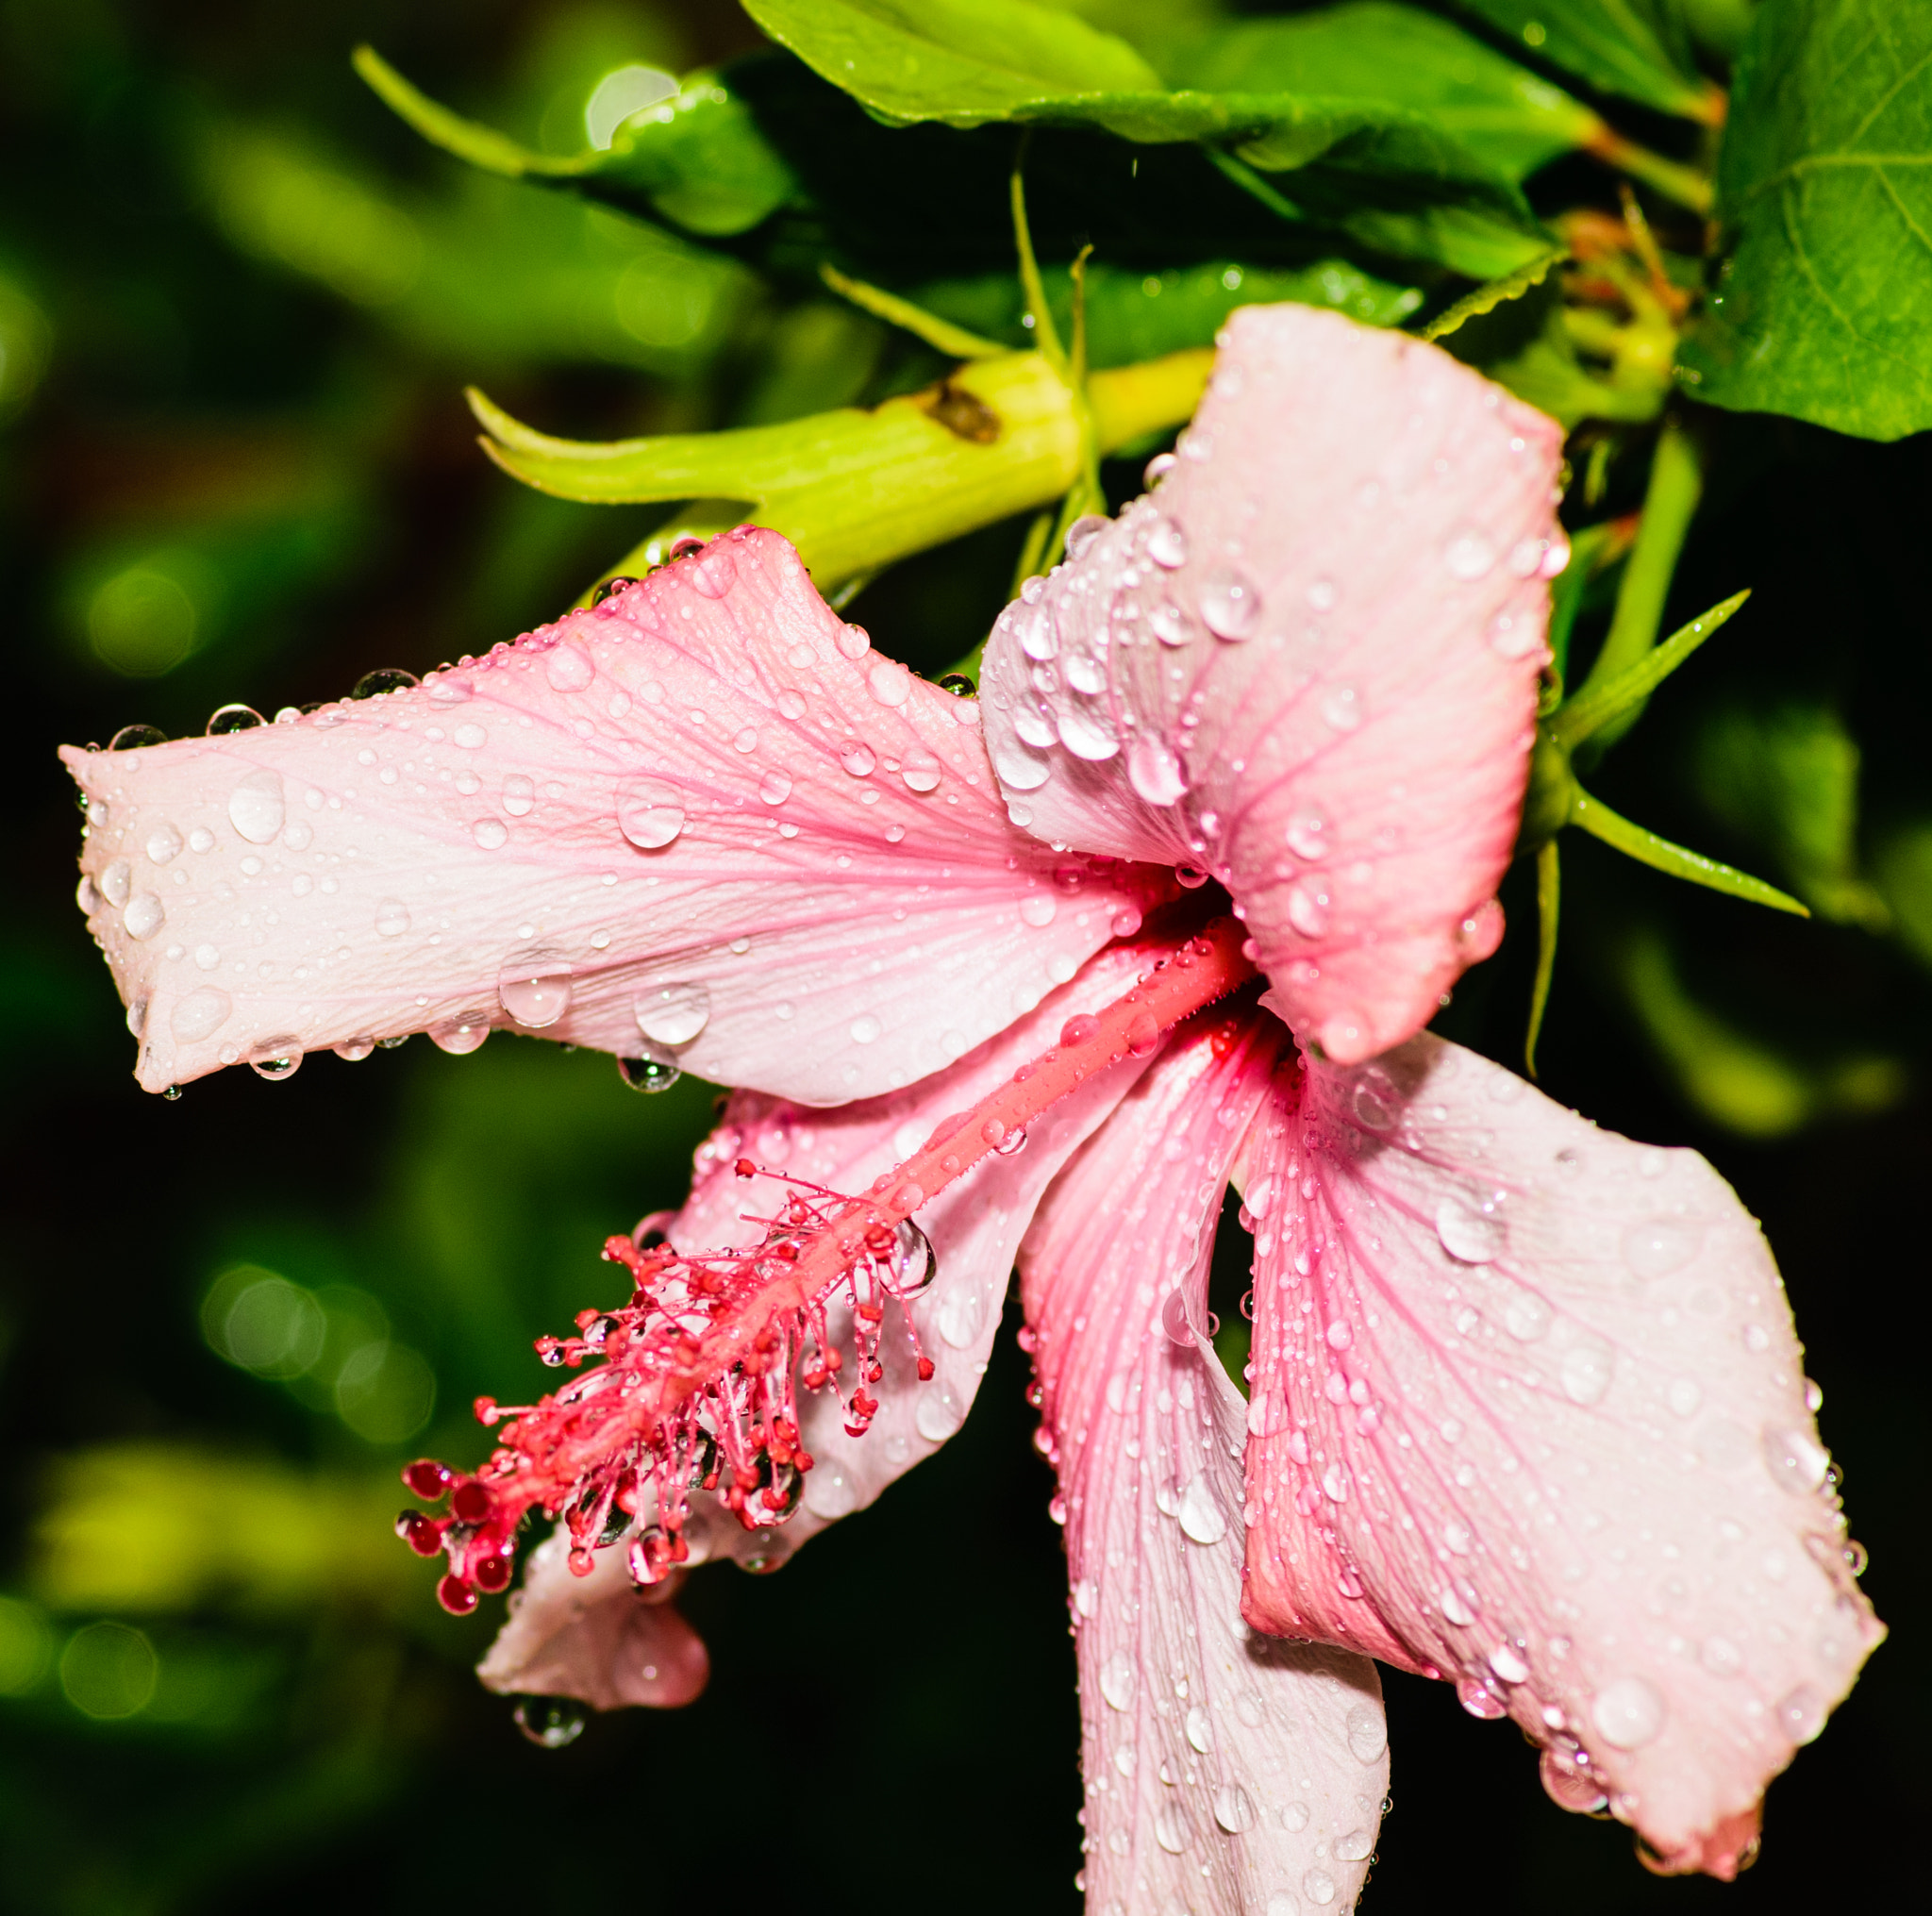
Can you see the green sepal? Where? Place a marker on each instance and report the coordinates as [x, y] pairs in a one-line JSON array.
[[940, 334], [1549, 893], [1601, 703], [1647, 848]]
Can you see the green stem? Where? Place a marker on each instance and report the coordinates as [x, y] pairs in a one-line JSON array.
[[1045, 334], [1683, 184], [1600, 822], [1250, 182], [1549, 892], [1677, 484], [942, 335]]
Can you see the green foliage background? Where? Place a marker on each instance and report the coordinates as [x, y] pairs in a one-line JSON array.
[[239, 299]]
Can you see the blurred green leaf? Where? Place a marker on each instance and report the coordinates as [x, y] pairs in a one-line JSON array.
[[1400, 54], [1744, 1083], [1904, 872], [1822, 307], [1787, 780], [1614, 46]]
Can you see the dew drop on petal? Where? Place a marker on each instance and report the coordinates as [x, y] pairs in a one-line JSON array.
[[649, 813], [865, 1029], [1341, 710], [1628, 1713], [459, 1036], [472, 738], [257, 806], [774, 788], [534, 987], [143, 916], [1317, 1886], [1167, 624], [163, 843], [491, 833], [1469, 555], [1368, 1733], [1167, 545], [568, 668], [858, 759], [1087, 735], [1201, 1515], [1797, 1462], [1586, 1370], [1229, 604], [713, 571], [117, 881], [888, 682], [519, 794], [921, 770], [1308, 907], [1234, 1808], [391, 918], [1153, 770], [1661, 1245], [1466, 1234], [200, 1014], [1038, 910], [1116, 1680], [672, 1014]]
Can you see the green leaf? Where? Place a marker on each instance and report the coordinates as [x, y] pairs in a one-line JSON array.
[[1404, 57], [1612, 45], [697, 160], [1389, 176], [962, 62], [1823, 301]]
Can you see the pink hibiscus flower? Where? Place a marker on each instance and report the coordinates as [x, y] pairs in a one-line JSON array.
[[1038, 977]]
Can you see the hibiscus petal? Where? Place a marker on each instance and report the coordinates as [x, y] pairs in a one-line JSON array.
[[1307, 664], [1225, 1770], [975, 1227], [595, 1636], [700, 817], [1529, 1412]]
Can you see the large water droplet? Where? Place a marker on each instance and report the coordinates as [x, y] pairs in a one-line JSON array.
[[961, 1315], [552, 1722], [649, 813], [1801, 1714], [1083, 532], [774, 788], [354, 1050], [391, 918], [1167, 545], [1661, 1245], [519, 794], [1229, 604], [1153, 770], [1308, 907], [920, 770], [135, 738], [1467, 1233], [672, 1014], [1586, 1370], [276, 1058], [1479, 1700], [1628, 1713], [857, 758], [200, 1014], [1367, 1731], [491, 833], [143, 916], [257, 806], [117, 882], [1169, 623], [472, 738], [1470, 555], [1199, 1727], [1456, 1607], [1087, 734], [1172, 1829], [566, 668], [888, 682], [232, 718], [649, 1073], [1317, 1886], [163, 843], [1085, 674], [1234, 1808], [711, 573], [865, 1029], [1201, 1515], [1797, 1462], [533, 986], [1116, 1680], [459, 1036], [1038, 910]]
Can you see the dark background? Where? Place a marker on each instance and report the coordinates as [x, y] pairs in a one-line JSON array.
[[217, 375]]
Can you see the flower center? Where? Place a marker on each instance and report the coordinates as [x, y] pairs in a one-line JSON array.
[[695, 1386]]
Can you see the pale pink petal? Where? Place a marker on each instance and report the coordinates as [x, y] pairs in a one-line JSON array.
[[595, 1636], [1226, 1771], [975, 1227], [1350, 558], [700, 816], [1529, 1413]]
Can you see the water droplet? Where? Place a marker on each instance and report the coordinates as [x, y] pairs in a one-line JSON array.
[[143, 916], [1801, 1714], [354, 1050], [1083, 532], [774, 788], [858, 759], [388, 678], [1157, 468], [939, 1412], [649, 1074], [232, 718], [1508, 1664], [1454, 1607], [888, 682], [1323, 595], [1586, 1370], [918, 1262], [649, 813], [1317, 1886], [1167, 545], [961, 1316], [163, 843], [135, 738], [391, 918], [1479, 1700], [1011, 1142], [1085, 674], [1797, 1462], [458, 1036], [1116, 1680], [275, 1058], [200, 1014], [865, 1029], [472, 738], [1308, 907], [1628, 1713], [1526, 1316], [1087, 734], [672, 1014], [1367, 1732], [1229, 604], [201, 840], [1467, 1233], [1355, 1846], [533, 986], [1172, 1829], [1038, 910], [1234, 1808], [1661, 1245], [1469, 555], [920, 770], [257, 806], [1341, 710], [568, 668], [519, 794], [1201, 1515], [552, 1722], [712, 574], [1169, 623], [491, 833], [116, 882], [1295, 1817]]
